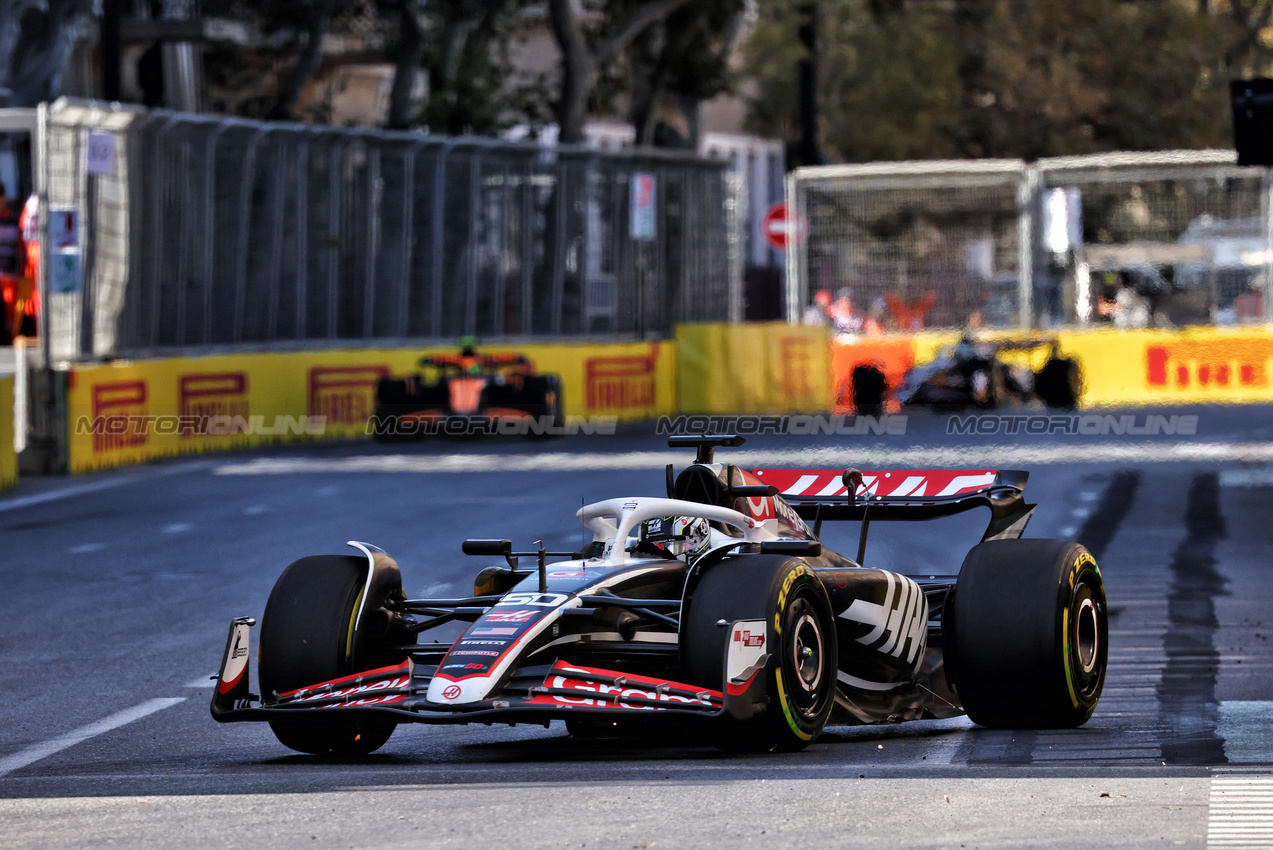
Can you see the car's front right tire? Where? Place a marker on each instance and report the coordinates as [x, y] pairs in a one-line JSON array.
[[308, 636]]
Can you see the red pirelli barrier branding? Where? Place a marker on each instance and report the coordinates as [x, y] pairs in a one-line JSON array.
[[345, 395], [621, 383], [1217, 364], [120, 413], [205, 397]]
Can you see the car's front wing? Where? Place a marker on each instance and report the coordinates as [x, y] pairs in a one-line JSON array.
[[534, 693]]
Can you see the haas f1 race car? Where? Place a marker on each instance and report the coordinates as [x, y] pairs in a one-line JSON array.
[[716, 606], [466, 394]]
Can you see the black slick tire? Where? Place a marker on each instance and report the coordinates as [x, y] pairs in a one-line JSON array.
[[546, 406], [800, 675], [1059, 383], [1027, 634], [868, 390], [391, 404], [308, 637]]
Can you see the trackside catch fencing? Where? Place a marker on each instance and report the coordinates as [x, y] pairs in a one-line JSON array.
[[172, 231], [1169, 239]]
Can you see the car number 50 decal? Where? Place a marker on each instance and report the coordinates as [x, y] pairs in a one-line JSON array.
[[539, 600]]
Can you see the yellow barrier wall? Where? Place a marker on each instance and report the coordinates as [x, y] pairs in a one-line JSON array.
[[1224, 365], [8, 457], [728, 369], [768, 367], [112, 409]]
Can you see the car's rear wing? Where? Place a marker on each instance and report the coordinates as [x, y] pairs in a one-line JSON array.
[[905, 494]]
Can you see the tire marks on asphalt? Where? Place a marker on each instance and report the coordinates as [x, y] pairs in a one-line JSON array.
[[1188, 711], [1114, 504]]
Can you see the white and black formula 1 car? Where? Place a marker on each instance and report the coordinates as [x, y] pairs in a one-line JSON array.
[[715, 606]]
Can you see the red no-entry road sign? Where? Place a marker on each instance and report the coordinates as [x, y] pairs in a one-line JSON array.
[[784, 226]]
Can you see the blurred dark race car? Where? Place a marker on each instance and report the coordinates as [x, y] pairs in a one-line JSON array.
[[971, 374], [714, 610], [468, 393]]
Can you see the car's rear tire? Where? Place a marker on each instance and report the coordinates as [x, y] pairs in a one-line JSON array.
[[391, 405], [1059, 383], [547, 405], [868, 390], [1027, 634], [800, 674], [308, 637]]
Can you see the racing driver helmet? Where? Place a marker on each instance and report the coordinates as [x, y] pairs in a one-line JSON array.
[[674, 536]]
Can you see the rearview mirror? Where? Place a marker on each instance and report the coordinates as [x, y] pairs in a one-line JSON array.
[[480, 546]]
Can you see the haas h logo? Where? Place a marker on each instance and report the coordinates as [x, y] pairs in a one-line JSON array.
[[451, 692]]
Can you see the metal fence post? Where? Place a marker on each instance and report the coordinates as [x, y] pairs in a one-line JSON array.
[[528, 246], [1027, 203], [335, 165], [374, 197], [408, 236], [439, 236], [248, 177], [209, 218], [736, 200], [1267, 213], [797, 289], [474, 249]]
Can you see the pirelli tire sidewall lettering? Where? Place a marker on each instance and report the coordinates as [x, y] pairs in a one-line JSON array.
[[1084, 630]]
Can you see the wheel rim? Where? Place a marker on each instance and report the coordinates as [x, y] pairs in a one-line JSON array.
[[1087, 639], [808, 653], [1087, 636], [805, 657]]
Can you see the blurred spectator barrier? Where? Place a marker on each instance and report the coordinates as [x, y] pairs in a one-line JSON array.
[[8, 453], [123, 413], [1168, 239], [171, 231]]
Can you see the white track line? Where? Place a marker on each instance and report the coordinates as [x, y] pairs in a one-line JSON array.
[[120, 718], [1241, 812], [107, 483], [1005, 457]]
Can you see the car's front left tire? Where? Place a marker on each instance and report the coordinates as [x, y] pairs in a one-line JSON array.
[[800, 640]]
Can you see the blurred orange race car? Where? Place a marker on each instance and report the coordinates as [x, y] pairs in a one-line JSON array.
[[468, 394]]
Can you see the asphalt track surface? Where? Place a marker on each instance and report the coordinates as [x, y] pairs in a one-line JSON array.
[[118, 589]]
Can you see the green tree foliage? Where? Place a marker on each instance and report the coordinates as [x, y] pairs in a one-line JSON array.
[[466, 58], [674, 66], [921, 79], [36, 40]]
